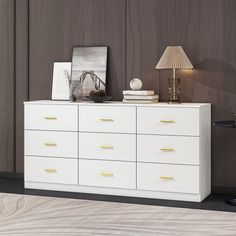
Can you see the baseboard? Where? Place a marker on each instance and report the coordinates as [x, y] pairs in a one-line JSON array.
[[10, 175], [116, 191], [214, 189]]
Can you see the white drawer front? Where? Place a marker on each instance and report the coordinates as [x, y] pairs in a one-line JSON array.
[[168, 121], [51, 170], [107, 119], [168, 178], [168, 149], [107, 146], [51, 117], [107, 174], [51, 143]]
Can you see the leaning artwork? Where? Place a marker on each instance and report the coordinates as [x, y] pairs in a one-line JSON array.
[[89, 65]]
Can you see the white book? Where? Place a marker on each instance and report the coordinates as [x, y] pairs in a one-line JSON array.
[[138, 92], [140, 97], [140, 101]]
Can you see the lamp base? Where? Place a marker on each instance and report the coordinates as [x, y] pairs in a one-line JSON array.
[[174, 90], [174, 102]]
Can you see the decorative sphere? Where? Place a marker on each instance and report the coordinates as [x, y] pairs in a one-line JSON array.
[[136, 84]]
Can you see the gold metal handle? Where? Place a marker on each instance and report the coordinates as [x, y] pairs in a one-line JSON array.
[[50, 144], [167, 178], [167, 149], [106, 147], [50, 118], [106, 174], [106, 119], [50, 171], [167, 121]]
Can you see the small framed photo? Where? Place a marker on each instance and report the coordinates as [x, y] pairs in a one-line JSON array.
[[89, 67], [61, 78]]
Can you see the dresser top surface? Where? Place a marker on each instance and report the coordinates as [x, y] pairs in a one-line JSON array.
[[116, 103]]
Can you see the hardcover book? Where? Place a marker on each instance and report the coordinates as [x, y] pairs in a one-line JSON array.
[[141, 101], [138, 92], [140, 97]]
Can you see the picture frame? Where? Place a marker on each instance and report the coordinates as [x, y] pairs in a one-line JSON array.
[[89, 68], [61, 80]]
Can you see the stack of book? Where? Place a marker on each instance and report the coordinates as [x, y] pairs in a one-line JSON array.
[[140, 96]]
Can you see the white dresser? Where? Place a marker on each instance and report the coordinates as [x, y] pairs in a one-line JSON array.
[[155, 150]]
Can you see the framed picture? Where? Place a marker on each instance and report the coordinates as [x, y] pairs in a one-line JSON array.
[[61, 77], [89, 65]]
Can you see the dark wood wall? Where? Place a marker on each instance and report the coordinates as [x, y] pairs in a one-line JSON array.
[[207, 31], [137, 32], [7, 96], [75, 23]]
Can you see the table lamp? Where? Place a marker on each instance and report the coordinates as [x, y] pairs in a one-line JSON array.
[[174, 58]]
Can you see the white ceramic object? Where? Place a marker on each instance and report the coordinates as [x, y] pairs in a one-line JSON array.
[[136, 84]]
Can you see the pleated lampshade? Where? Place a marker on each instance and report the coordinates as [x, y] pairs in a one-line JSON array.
[[174, 57]]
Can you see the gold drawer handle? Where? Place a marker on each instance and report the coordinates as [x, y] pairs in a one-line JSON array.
[[167, 121], [50, 144], [106, 119], [50, 118], [106, 147], [167, 149], [167, 178], [50, 171], [107, 174]]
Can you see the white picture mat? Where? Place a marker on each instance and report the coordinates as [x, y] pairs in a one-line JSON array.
[[60, 85]]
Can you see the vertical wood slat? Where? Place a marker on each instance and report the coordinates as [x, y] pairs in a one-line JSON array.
[[142, 42], [7, 85], [21, 79]]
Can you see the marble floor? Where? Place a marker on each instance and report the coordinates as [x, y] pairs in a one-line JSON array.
[[39, 212], [38, 215]]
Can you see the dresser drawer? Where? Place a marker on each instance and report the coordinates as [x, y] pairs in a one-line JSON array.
[[51, 170], [51, 143], [107, 119], [168, 121], [51, 117], [107, 146], [168, 178], [107, 174], [168, 149]]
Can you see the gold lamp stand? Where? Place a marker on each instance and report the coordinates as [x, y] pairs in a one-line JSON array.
[[174, 89], [174, 58]]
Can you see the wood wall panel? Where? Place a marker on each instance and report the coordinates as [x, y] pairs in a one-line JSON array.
[[137, 32], [56, 26], [142, 40], [7, 85], [21, 79], [206, 30]]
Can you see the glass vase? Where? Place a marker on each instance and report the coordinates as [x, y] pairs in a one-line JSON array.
[[76, 91]]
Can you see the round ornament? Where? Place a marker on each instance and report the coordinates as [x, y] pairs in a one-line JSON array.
[[135, 84]]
